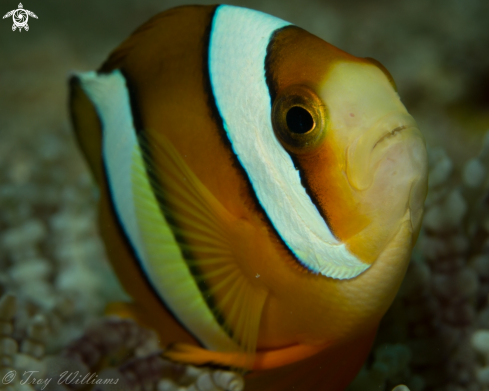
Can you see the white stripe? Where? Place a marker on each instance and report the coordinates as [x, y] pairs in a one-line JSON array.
[[237, 52], [110, 97]]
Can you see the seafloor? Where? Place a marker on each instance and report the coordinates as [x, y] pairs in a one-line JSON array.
[[54, 274]]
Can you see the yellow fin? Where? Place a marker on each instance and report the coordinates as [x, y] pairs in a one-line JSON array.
[[206, 234]]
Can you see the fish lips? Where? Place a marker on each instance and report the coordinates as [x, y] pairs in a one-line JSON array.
[[367, 151]]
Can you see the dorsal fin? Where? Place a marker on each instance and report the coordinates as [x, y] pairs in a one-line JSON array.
[[156, 29], [88, 129]]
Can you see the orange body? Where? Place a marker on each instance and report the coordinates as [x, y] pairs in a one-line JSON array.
[[303, 329]]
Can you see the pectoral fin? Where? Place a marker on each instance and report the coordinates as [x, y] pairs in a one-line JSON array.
[[174, 202]]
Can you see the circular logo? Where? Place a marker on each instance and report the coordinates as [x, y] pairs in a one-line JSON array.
[[20, 17]]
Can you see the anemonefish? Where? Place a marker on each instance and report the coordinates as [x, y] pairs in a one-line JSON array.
[[261, 191]]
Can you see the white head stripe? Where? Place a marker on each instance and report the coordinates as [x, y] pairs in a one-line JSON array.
[[167, 272], [237, 51]]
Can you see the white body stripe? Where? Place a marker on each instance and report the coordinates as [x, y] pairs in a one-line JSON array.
[[110, 97], [237, 51]]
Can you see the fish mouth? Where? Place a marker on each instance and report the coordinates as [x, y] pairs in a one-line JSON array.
[[389, 126], [391, 134], [371, 145]]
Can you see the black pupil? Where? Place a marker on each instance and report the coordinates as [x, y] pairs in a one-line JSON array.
[[299, 120]]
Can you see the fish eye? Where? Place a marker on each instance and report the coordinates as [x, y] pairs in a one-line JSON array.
[[299, 119]]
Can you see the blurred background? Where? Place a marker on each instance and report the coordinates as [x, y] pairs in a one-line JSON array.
[[51, 258]]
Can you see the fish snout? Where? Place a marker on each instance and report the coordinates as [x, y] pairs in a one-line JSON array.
[[367, 151]]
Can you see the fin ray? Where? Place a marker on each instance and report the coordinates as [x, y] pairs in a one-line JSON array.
[[202, 227]]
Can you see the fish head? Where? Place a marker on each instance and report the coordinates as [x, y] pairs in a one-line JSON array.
[[381, 148], [360, 153]]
